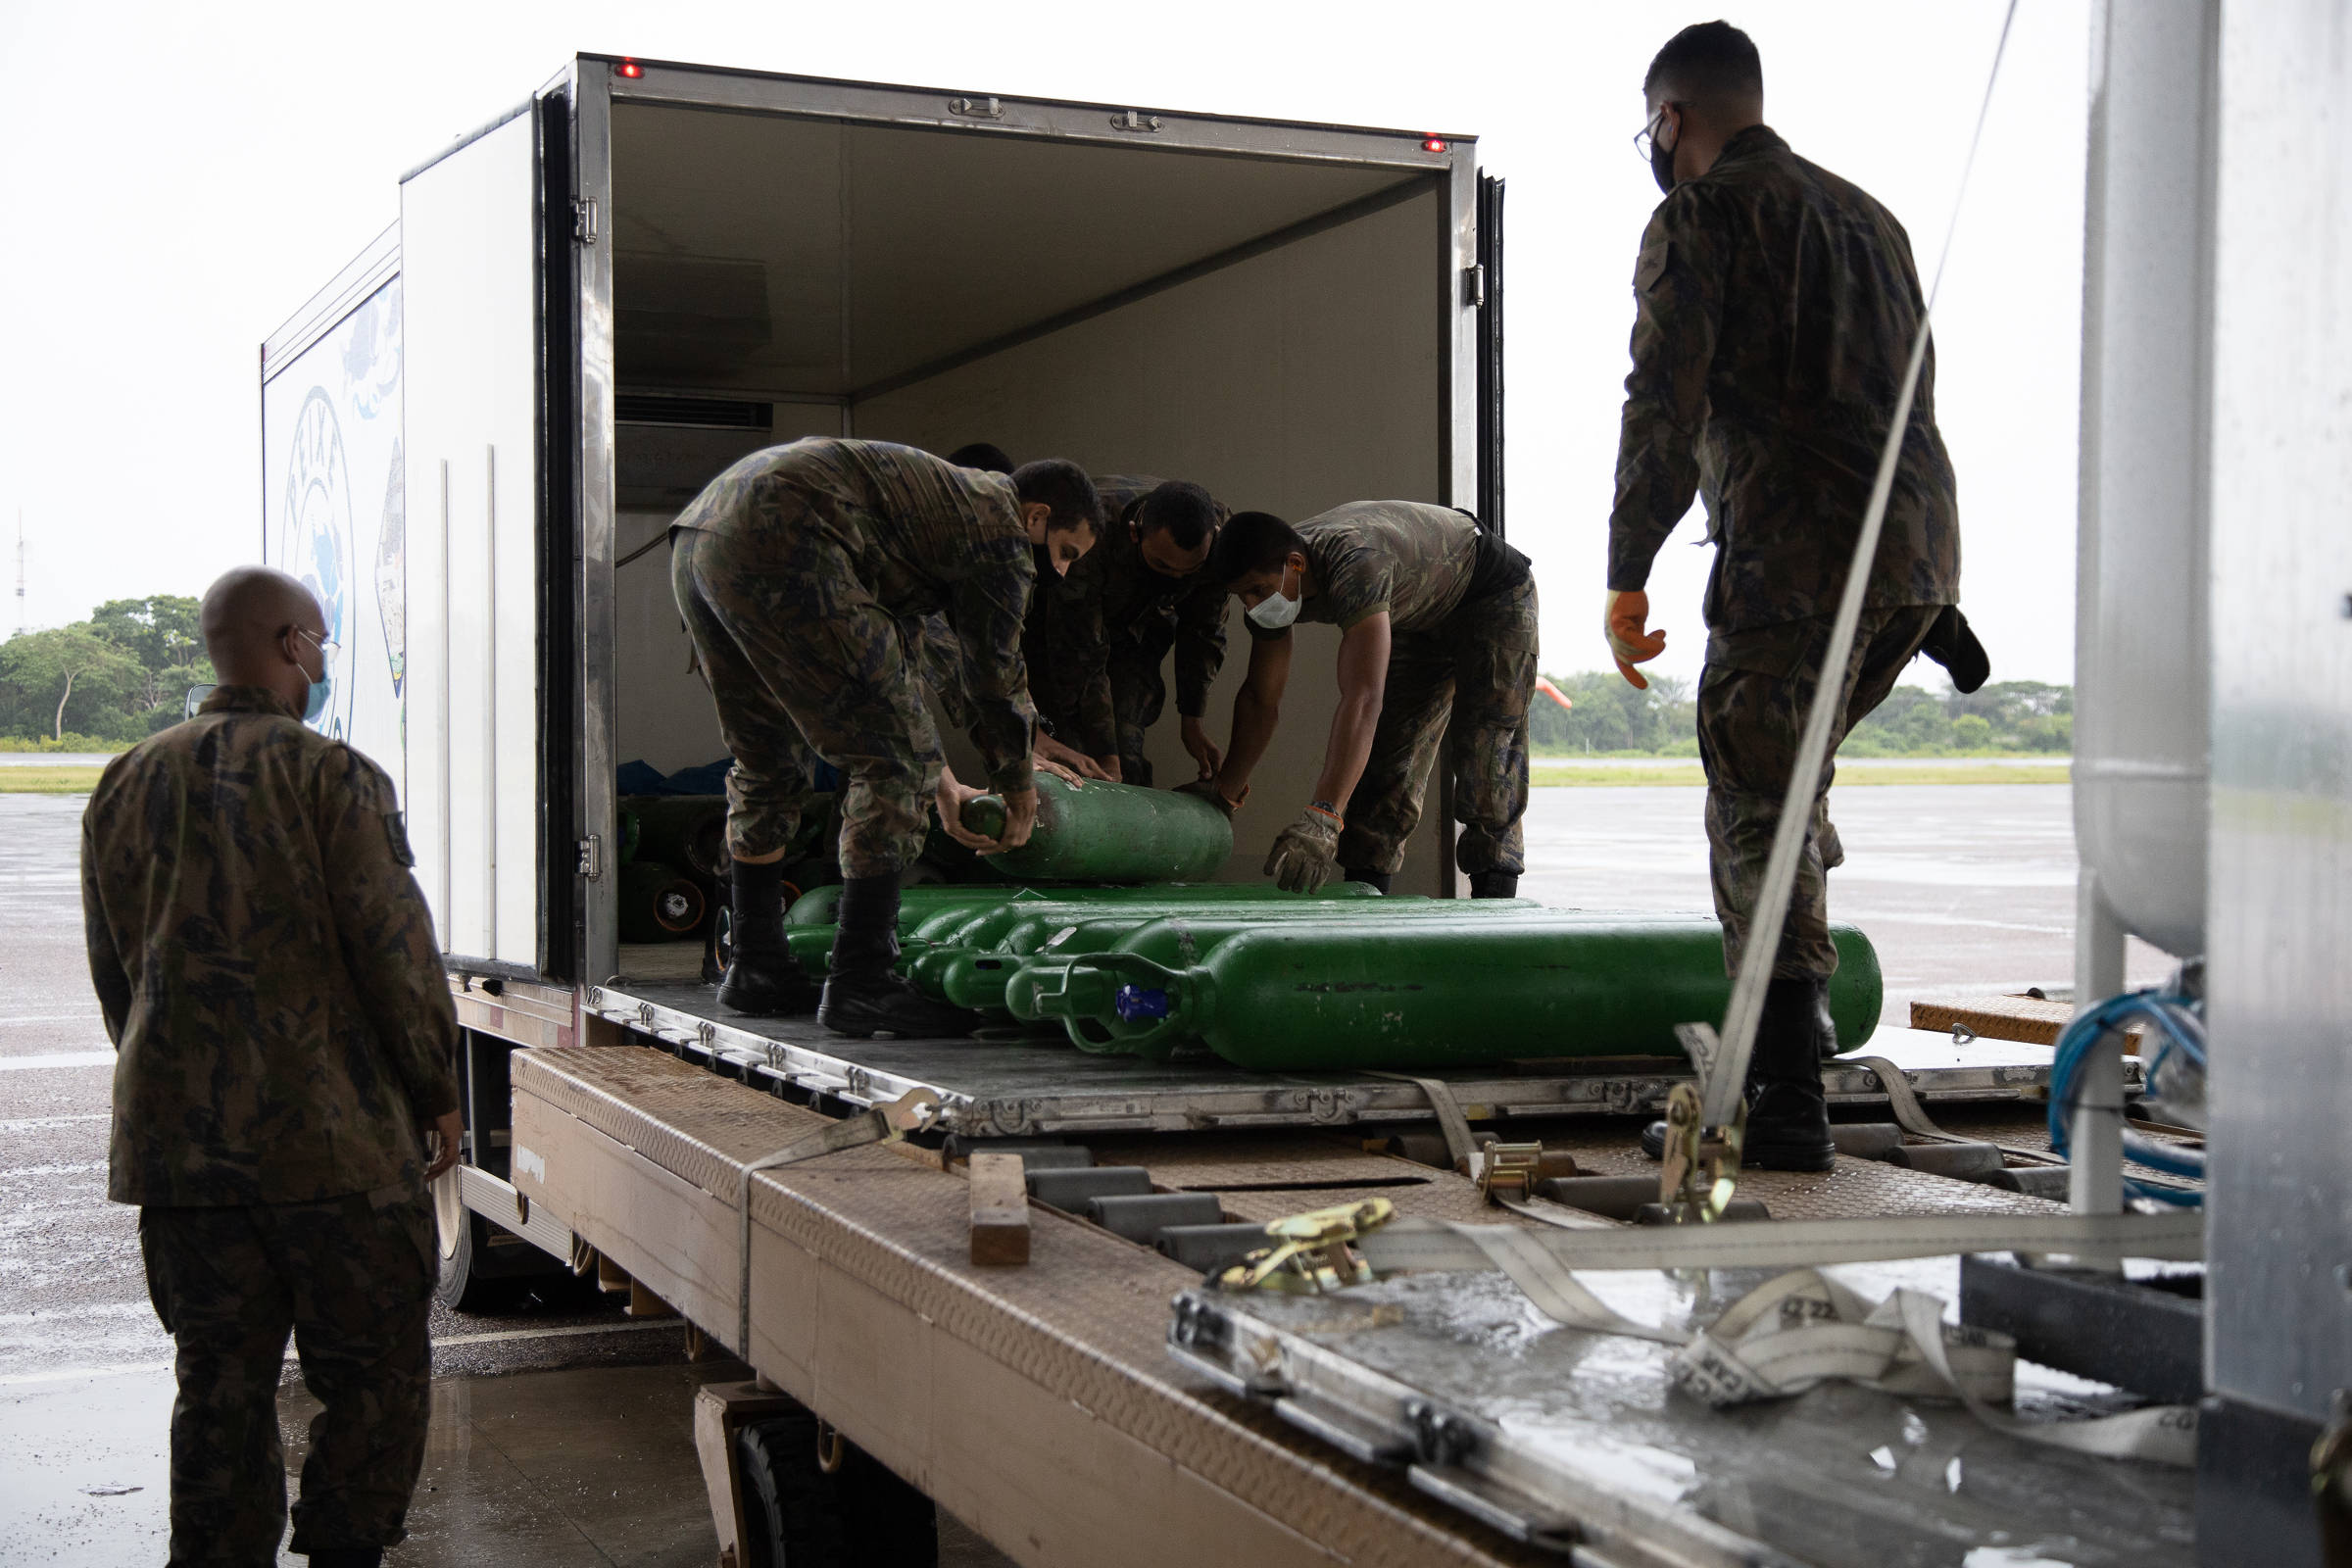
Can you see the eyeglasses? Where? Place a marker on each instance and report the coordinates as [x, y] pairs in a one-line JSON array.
[[1645, 139], [328, 647]]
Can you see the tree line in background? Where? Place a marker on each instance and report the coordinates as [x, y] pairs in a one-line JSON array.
[[104, 682], [124, 673], [2002, 717]]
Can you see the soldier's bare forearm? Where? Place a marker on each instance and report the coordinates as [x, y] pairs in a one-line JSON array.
[[1363, 684], [1256, 710]]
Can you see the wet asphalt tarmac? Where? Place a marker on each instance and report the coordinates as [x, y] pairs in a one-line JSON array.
[[561, 1432]]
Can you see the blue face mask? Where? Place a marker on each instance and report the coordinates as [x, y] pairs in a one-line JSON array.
[[317, 705]]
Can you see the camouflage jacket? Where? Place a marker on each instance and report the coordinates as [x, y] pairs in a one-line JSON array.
[[1413, 559], [266, 965], [1775, 310], [923, 537], [1112, 604]]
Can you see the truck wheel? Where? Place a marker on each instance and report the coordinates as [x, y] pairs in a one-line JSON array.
[[465, 1239], [796, 1516]]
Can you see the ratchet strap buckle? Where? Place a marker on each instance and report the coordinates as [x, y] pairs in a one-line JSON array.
[[1703, 1163], [1507, 1171], [1312, 1252]]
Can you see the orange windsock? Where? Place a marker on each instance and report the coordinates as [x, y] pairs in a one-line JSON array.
[[1558, 696]]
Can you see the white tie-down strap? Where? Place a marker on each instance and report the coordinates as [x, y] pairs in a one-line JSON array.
[[1804, 1328], [883, 1123]]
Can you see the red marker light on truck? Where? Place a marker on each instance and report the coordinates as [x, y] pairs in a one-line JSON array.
[[630, 67], [1433, 144]]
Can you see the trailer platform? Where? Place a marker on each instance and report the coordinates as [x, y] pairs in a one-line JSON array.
[[1038, 1403]]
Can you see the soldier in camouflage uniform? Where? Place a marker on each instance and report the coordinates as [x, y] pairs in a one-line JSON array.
[[268, 975], [796, 571], [1436, 618], [1144, 591], [1776, 310], [939, 654]]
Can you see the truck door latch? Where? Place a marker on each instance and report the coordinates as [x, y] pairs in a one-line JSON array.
[[583, 219], [592, 857], [1474, 286], [1130, 119], [977, 108]]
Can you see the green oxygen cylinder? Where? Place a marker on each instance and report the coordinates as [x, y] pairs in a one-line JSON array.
[[812, 945], [928, 962], [686, 831], [1091, 1015], [659, 903], [1099, 832], [1319, 997], [977, 977], [818, 905], [983, 925]]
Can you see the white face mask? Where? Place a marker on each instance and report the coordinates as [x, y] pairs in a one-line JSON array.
[[1277, 609]]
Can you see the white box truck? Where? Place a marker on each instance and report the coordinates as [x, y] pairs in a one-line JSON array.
[[593, 304]]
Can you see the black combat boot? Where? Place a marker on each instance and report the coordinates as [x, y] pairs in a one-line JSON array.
[[1377, 879], [863, 995], [763, 979], [1787, 1116], [1493, 884]]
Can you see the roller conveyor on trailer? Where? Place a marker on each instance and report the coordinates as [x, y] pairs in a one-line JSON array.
[[1032, 1087]]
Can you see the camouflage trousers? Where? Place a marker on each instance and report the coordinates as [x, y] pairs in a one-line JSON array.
[[1752, 698], [1475, 672], [803, 663], [1139, 692], [351, 1279]]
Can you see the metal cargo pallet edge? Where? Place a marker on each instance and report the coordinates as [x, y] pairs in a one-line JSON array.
[[1021, 1090]]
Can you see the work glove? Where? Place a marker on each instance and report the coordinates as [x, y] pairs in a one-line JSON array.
[[1306, 853], [1205, 789], [1622, 621]]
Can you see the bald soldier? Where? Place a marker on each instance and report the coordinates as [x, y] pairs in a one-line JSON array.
[[269, 976], [1437, 622], [1776, 309], [797, 572]]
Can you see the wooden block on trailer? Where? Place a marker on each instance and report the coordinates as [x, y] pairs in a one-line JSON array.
[[2036, 1020], [1000, 1209]]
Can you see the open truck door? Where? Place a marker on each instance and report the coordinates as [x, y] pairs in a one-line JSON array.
[[490, 583]]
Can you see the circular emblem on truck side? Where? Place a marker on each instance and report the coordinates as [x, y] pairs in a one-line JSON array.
[[314, 540]]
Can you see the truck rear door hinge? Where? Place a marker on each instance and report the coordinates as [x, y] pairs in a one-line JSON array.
[[1131, 120], [583, 219], [1474, 286], [977, 108], [592, 857]]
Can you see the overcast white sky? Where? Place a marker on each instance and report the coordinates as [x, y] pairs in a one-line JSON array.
[[178, 178]]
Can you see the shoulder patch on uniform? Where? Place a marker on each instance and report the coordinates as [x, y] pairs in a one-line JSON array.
[[396, 831], [1652, 265]]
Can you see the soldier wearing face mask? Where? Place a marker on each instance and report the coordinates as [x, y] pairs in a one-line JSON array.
[[1777, 306], [1436, 620]]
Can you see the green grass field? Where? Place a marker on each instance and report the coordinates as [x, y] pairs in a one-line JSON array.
[[48, 780], [1547, 774]]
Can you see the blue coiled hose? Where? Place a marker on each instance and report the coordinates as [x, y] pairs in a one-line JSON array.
[[2180, 1027]]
